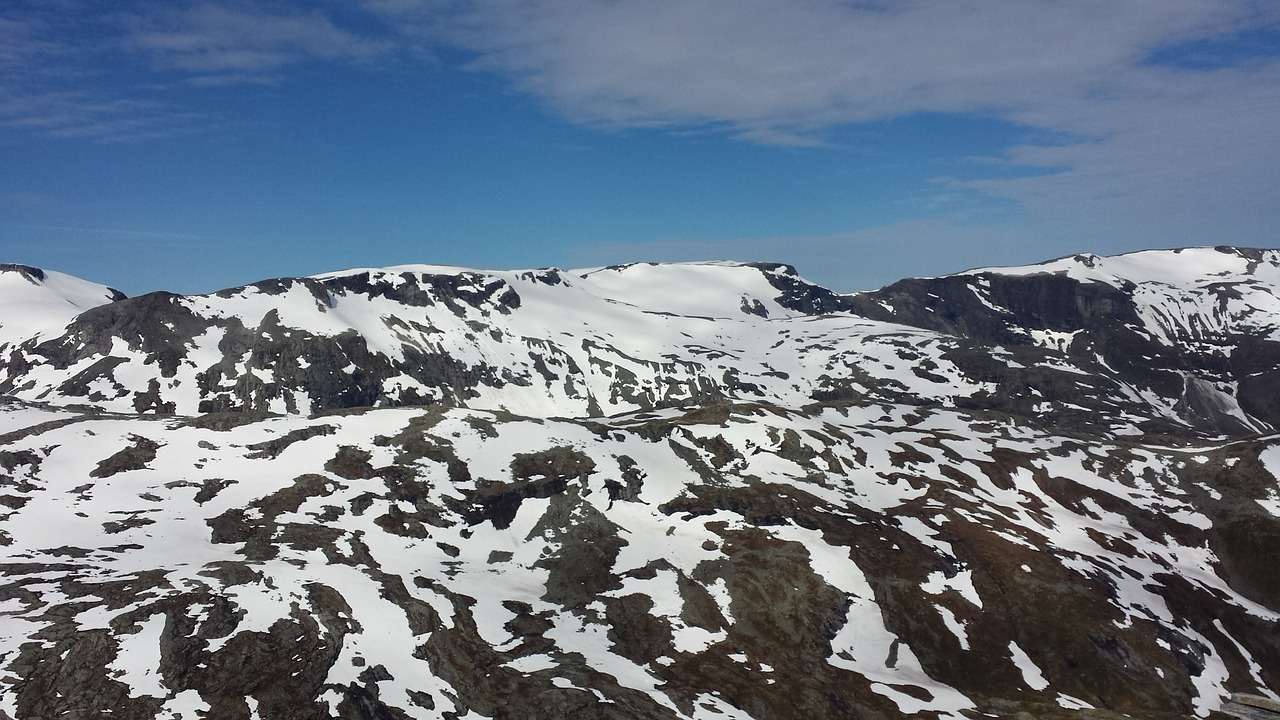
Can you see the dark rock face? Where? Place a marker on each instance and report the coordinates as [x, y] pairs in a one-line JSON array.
[[31, 273], [1015, 304], [266, 364], [1208, 363], [801, 296], [412, 494]]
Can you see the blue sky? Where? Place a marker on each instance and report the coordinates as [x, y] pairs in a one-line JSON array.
[[191, 146]]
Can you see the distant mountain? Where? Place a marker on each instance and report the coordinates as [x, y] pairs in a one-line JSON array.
[[34, 301], [1195, 332], [703, 490], [1151, 342]]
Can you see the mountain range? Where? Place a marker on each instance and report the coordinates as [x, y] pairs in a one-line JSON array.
[[697, 490]]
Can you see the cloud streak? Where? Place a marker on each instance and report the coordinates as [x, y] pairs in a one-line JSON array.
[[55, 79], [69, 67], [243, 43]]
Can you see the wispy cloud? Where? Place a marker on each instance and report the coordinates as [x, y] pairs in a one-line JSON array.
[[1169, 157], [115, 231], [70, 68], [55, 60], [91, 115], [233, 42]]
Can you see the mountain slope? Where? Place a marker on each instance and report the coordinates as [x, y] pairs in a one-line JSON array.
[[1195, 330], [701, 490], [36, 301]]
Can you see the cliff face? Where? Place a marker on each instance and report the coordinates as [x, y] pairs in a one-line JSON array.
[[1194, 328], [684, 491]]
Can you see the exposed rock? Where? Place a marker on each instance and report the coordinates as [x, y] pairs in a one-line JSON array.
[[134, 457]]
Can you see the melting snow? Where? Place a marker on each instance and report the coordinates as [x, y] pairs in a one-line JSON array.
[[1031, 674]]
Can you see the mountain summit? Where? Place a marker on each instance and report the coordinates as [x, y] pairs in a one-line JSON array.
[[697, 490]]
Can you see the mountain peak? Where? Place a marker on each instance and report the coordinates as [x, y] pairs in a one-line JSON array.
[[33, 300]]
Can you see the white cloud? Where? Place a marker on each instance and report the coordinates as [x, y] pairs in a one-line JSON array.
[[91, 115], [1174, 157], [805, 64], [1160, 151]]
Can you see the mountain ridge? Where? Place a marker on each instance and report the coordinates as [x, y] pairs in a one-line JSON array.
[[216, 352]]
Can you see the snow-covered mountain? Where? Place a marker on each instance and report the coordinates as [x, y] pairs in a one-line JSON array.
[[1195, 331], [33, 301], [701, 490], [1122, 341], [540, 343]]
